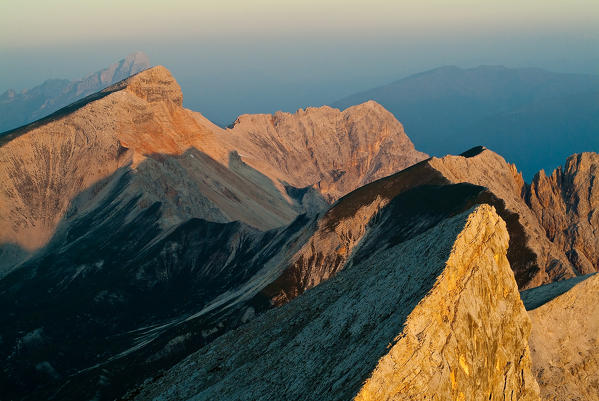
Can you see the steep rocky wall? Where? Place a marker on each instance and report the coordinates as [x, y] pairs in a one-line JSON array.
[[437, 317], [567, 206], [490, 170], [323, 255], [334, 151], [465, 340]]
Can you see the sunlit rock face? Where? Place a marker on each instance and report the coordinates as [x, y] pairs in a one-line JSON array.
[[534, 258], [551, 221], [336, 151], [566, 204], [438, 316], [565, 338]]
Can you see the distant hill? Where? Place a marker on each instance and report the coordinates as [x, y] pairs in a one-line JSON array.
[[534, 118], [20, 108]]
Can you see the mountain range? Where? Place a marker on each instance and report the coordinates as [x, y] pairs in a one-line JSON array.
[[534, 118], [20, 108], [147, 253]]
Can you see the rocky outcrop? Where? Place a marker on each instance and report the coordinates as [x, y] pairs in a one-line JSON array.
[[553, 221], [535, 259], [394, 326], [17, 109], [324, 254], [566, 204], [413, 194], [564, 342]]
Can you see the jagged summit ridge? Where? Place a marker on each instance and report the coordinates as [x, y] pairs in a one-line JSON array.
[[566, 204], [336, 151], [393, 326]]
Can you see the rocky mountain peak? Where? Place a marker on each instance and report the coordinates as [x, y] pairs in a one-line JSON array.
[[566, 205], [137, 58], [156, 84], [117, 71], [336, 151]]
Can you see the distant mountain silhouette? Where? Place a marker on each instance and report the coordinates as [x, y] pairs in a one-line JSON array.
[[535, 118], [17, 109]]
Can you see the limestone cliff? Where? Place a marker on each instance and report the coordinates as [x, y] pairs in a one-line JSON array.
[[534, 258], [564, 343], [336, 151], [566, 204], [397, 325]]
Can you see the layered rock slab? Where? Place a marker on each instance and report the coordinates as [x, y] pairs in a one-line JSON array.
[[564, 342], [437, 316]]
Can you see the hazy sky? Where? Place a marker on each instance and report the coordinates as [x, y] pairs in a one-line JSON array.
[[234, 56]]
